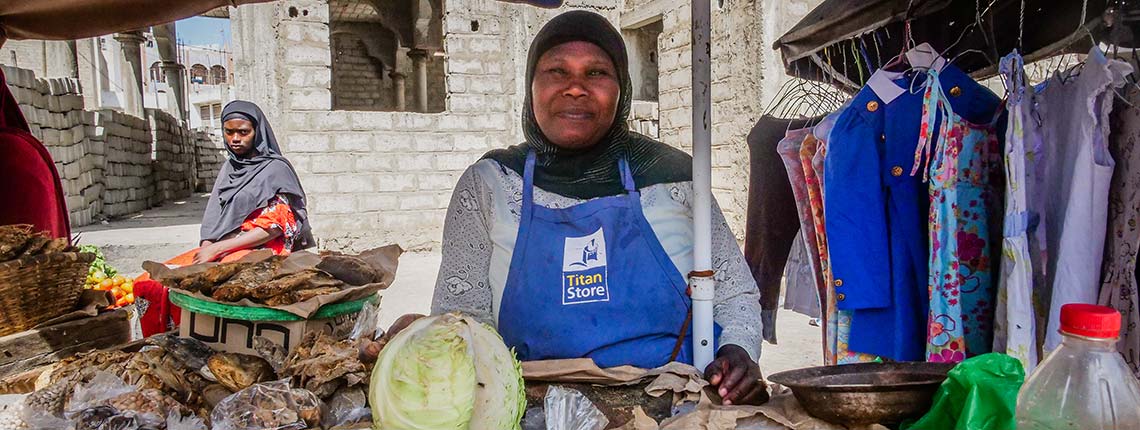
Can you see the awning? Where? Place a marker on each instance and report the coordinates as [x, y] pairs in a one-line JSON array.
[[842, 41], [77, 19]]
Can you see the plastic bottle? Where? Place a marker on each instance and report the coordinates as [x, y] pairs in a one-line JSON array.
[[1084, 384]]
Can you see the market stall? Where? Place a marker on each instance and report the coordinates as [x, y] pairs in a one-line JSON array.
[[248, 325]]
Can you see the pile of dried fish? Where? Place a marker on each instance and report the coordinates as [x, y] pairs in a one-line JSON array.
[[324, 365], [21, 241], [271, 283]]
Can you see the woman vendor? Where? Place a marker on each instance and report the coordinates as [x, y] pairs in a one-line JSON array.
[[576, 242], [257, 203]]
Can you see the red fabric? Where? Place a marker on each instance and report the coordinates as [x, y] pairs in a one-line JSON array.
[[32, 185], [278, 214], [160, 315]]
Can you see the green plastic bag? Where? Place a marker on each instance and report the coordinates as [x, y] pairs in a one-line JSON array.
[[980, 394]]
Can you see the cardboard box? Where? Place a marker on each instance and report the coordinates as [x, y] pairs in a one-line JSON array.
[[236, 336]]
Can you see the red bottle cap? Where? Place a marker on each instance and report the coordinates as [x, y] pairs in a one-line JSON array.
[[1090, 321]]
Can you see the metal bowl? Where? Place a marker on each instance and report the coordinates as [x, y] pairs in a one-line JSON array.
[[863, 394]]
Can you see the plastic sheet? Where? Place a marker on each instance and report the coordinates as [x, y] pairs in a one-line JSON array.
[[268, 406], [568, 409]]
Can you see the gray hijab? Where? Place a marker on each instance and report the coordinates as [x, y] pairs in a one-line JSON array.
[[248, 184]]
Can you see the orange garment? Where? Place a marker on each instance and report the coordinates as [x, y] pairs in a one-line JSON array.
[[277, 214]]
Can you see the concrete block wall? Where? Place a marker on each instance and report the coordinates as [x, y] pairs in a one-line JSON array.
[[208, 157], [107, 161], [358, 82], [129, 185], [735, 92], [384, 177], [54, 111], [175, 168]]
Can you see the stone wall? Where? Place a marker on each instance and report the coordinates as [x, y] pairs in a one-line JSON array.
[[110, 164]]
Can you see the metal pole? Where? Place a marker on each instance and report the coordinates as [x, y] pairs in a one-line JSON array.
[[701, 279]]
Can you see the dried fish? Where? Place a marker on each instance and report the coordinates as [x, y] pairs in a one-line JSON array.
[[300, 296], [13, 239], [284, 285], [351, 270], [271, 352], [85, 364], [241, 286], [238, 371], [323, 364], [191, 353]]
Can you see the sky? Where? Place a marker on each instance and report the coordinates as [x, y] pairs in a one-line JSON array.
[[201, 31]]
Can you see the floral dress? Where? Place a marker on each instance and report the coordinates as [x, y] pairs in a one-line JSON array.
[[1119, 289], [790, 150], [962, 173]]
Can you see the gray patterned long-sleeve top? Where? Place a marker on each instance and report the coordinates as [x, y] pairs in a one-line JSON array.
[[483, 219]]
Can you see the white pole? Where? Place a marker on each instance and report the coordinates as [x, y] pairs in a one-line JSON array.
[[701, 280]]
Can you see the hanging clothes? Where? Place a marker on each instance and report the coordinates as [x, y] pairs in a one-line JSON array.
[[877, 213], [838, 330], [1078, 170], [789, 150], [1023, 241], [962, 163], [1119, 287], [772, 223], [800, 294]]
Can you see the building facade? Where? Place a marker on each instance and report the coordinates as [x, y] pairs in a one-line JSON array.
[[382, 105]]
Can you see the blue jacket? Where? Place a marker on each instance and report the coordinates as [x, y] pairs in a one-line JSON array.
[[877, 213]]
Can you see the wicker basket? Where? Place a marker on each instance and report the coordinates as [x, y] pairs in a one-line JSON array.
[[39, 288]]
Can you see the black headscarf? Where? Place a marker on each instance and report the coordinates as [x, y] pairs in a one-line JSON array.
[[247, 184], [591, 172]]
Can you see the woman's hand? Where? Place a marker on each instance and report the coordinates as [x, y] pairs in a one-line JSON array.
[[370, 350], [207, 253], [737, 377]]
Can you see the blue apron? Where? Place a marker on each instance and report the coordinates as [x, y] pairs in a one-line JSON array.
[[593, 281]]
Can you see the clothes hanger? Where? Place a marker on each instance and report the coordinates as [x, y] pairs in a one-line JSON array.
[[978, 14]]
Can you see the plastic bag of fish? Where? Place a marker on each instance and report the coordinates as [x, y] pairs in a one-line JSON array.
[[269, 406]]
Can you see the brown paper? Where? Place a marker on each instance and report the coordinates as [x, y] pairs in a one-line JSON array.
[[783, 411], [90, 302], [385, 260], [640, 421], [584, 371]]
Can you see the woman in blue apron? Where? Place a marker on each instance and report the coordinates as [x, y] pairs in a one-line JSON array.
[[576, 243]]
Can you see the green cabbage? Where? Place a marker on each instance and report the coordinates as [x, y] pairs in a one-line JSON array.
[[447, 372]]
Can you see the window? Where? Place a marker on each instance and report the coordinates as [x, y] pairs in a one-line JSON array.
[[643, 59], [217, 75], [198, 74], [387, 55], [156, 74]]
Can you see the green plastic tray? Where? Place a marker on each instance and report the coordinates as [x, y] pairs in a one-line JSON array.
[[263, 314]]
